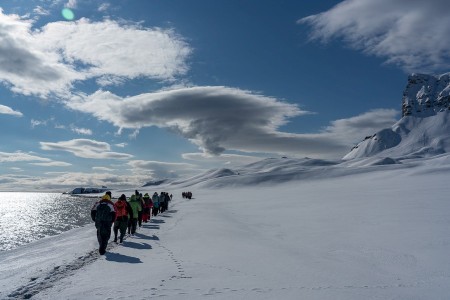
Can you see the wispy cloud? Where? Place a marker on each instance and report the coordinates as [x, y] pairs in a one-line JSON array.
[[157, 169], [83, 131], [39, 10], [6, 110], [62, 181], [224, 159], [412, 34], [104, 169], [362, 125], [20, 156], [121, 145], [71, 4], [52, 164], [104, 6], [45, 61], [35, 123], [85, 148]]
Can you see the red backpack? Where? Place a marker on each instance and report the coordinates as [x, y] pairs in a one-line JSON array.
[[121, 209]]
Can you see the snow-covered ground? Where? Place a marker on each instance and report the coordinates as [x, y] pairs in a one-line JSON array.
[[368, 229]]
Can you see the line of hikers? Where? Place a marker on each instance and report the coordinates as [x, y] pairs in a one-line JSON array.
[[187, 195], [125, 215]]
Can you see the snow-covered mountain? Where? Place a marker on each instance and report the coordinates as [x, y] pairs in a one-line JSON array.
[[423, 131], [424, 128], [426, 95]]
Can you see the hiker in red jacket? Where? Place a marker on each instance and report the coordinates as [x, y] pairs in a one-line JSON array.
[[123, 214], [148, 204]]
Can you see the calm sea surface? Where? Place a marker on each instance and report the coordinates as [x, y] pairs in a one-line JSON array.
[[27, 217]]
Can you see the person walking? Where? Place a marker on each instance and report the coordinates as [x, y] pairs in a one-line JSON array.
[[142, 206], [155, 199], [166, 203], [148, 204], [162, 202], [135, 207], [123, 213], [103, 214]]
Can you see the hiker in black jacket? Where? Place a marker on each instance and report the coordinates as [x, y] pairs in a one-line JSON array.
[[103, 214]]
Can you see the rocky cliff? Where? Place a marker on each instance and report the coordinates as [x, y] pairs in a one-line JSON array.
[[425, 95]]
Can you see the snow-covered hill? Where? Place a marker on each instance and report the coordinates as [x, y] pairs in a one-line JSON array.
[[412, 136], [379, 232]]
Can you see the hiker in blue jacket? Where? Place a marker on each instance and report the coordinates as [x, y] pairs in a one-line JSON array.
[[103, 214]]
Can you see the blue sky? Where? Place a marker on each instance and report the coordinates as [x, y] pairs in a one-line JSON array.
[[132, 91]]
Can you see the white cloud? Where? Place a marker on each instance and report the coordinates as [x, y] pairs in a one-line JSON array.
[[25, 65], [52, 58], [105, 169], [121, 145], [20, 156], [65, 181], [9, 111], [71, 4], [114, 50], [221, 118], [15, 169], [363, 125], [35, 123], [85, 148], [39, 10], [104, 7], [83, 131], [224, 159], [412, 34], [159, 170], [52, 164]]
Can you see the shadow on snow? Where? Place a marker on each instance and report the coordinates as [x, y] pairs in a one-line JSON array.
[[146, 237], [137, 245], [117, 257]]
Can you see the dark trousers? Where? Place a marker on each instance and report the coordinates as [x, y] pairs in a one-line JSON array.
[[132, 224], [155, 211], [103, 235], [140, 218], [120, 224]]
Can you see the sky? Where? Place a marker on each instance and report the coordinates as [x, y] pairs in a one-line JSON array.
[[120, 93]]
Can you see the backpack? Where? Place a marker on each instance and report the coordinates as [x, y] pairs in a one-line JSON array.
[[103, 215], [121, 209]]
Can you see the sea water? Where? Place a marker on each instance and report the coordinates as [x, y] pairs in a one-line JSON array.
[[27, 217]]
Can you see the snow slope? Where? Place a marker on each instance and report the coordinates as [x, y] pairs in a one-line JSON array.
[[410, 137], [369, 231]]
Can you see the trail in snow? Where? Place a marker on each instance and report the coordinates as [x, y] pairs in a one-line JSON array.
[[37, 284]]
